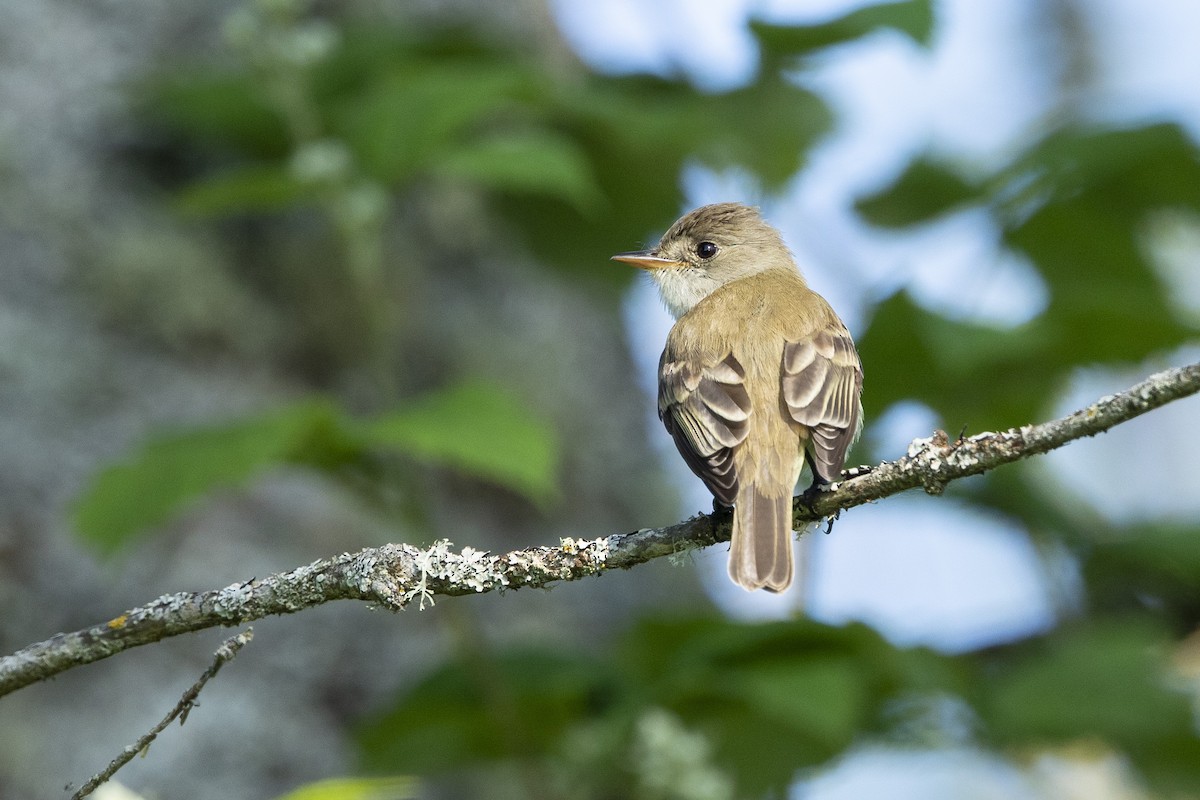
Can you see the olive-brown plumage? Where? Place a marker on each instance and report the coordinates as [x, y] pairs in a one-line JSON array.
[[758, 377]]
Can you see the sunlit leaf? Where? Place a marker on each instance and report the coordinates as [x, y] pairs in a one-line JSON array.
[[475, 428], [173, 470], [479, 429], [531, 163], [397, 788], [406, 119]]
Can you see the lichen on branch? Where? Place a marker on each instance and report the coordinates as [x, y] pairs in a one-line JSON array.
[[397, 575]]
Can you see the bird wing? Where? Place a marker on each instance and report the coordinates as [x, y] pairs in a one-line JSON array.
[[706, 410], [822, 381]]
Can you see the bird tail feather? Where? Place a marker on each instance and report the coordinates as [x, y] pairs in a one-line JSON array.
[[761, 547]]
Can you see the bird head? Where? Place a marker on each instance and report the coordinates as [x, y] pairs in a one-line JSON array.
[[708, 248]]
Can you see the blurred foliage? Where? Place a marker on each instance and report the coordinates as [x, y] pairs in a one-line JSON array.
[[573, 161], [474, 428], [349, 121], [766, 701], [1076, 204], [343, 120], [349, 124]]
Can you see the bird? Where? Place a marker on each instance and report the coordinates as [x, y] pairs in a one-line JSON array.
[[759, 377]]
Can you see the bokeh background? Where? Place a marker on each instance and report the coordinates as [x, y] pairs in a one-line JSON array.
[[281, 279]]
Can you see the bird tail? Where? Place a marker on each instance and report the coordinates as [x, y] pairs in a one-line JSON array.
[[761, 547]]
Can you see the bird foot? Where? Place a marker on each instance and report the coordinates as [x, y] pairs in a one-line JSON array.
[[809, 496], [720, 508]]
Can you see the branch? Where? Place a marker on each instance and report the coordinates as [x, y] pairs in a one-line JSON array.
[[395, 575], [224, 653]]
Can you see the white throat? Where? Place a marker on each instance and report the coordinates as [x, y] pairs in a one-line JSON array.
[[681, 289]]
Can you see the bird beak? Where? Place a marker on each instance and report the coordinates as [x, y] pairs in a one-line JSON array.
[[646, 259]]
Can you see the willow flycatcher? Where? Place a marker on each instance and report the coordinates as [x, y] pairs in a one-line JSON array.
[[758, 377]]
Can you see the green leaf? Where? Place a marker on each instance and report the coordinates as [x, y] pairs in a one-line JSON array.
[[951, 366], [409, 117], [393, 788], [221, 109], [1126, 568], [1074, 205], [1105, 679], [173, 470], [776, 697], [637, 135], [826, 697], [540, 163], [474, 427], [479, 429], [257, 188], [779, 43], [1156, 165], [770, 698], [767, 128], [518, 703], [926, 190]]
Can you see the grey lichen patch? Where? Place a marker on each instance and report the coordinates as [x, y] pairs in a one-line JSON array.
[[918, 446], [590, 554], [230, 603], [405, 574]]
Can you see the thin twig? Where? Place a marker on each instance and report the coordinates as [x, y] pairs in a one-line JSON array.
[[224, 653], [394, 575]]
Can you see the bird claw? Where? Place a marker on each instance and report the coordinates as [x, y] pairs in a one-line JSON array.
[[809, 496]]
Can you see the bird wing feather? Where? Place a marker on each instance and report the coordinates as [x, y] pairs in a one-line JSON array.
[[822, 382], [706, 410]]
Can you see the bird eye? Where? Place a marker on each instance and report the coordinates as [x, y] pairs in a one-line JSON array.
[[706, 249]]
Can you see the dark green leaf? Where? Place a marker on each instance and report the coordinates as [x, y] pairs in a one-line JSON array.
[[265, 188], [774, 697], [980, 376], [926, 190], [1106, 680], [1075, 205], [220, 109], [637, 135], [826, 697], [1160, 564], [779, 43], [518, 703], [767, 128]]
